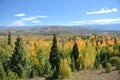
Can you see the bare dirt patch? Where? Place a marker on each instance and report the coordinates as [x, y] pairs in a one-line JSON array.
[[90, 75], [95, 75]]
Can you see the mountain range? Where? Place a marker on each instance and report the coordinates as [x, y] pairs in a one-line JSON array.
[[47, 29]]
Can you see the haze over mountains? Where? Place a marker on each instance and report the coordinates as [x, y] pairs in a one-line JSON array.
[[99, 27]]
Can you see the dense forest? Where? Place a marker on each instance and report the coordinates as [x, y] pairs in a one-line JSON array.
[[55, 56]]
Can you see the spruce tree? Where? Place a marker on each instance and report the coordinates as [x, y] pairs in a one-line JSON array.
[[97, 63], [2, 71], [9, 38], [105, 62], [18, 59], [47, 68], [72, 64], [54, 57], [32, 73], [75, 54]]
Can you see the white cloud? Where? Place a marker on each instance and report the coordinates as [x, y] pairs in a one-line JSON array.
[[29, 18], [42, 16], [32, 19], [99, 21], [20, 14], [22, 21], [105, 20], [103, 11], [79, 22], [36, 21], [17, 23]]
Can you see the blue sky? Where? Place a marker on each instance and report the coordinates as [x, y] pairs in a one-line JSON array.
[[59, 12]]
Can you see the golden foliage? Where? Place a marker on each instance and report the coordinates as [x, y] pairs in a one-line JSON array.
[[64, 69]]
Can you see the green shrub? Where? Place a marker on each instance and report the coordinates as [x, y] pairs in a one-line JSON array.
[[12, 75], [104, 63], [108, 68], [2, 72], [32, 73], [118, 67], [99, 66], [97, 63], [115, 60]]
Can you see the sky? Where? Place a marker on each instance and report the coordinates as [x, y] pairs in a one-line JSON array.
[[59, 12]]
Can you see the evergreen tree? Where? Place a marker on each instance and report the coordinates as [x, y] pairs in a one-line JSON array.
[[104, 62], [41, 62], [32, 73], [75, 54], [9, 38], [54, 57], [2, 71], [47, 68], [18, 59], [72, 64], [97, 63]]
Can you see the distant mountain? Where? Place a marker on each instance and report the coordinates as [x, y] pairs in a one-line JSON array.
[[101, 27], [45, 29]]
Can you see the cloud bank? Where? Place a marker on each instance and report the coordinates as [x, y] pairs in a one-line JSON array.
[[103, 11], [98, 21]]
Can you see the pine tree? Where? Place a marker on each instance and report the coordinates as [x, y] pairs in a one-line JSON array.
[[47, 68], [54, 57], [97, 63], [18, 59], [105, 62], [32, 73], [75, 54], [2, 71], [9, 38], [72, 64]]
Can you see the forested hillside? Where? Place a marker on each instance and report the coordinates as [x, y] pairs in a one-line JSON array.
[[56, 56]]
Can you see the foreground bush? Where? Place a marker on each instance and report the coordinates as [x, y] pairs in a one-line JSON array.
[[115, 60], [64, 69], [108, 68], [11, 75], [97, 63], [118, 67], [2, 72]]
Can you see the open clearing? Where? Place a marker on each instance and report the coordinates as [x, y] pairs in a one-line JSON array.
[[91, 75], [95, 75]]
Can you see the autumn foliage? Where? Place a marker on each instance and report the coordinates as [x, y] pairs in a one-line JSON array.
[[55, 57]]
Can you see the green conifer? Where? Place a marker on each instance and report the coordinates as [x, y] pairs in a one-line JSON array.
[[54, 57], [9, 38], [18, 59], [75, 54]]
